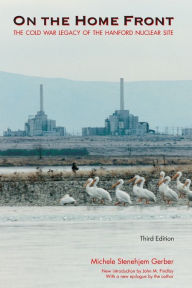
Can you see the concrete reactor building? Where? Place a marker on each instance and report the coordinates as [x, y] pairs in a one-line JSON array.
[[38, 125], [121, 122]]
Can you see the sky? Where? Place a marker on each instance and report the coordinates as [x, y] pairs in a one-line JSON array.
[[98, 58]]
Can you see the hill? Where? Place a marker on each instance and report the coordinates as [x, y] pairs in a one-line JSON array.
[[77, 104]]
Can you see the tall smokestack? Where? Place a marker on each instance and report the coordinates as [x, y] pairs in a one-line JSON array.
[[121, 94], [41, 97]]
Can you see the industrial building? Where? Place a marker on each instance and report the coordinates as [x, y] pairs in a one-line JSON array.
[[121, 122], [38, 125], [186, 132]]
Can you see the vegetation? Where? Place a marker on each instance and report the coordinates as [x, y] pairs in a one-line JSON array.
[[89, 160], [125, 173], [43, 152]]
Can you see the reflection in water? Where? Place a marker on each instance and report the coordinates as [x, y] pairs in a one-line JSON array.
[[53, 246]]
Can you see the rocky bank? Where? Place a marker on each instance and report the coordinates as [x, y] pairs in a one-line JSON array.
[[46, 189]]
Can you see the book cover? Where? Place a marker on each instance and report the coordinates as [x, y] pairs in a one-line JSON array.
[[95, 144]]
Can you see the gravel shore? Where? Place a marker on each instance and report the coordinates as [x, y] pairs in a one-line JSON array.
[[40, 189]]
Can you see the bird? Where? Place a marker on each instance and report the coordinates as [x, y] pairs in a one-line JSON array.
[[122, 196], [180, 185], [67, 199], [90, 190], [96, 192], [74, 167], [169, 194], [162, 186], [188, 191], [135, 187], [145, 193], [100, 193]]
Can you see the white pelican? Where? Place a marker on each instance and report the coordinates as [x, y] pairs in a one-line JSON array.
[[188, 191], [94, 186], [67, 199], [145, 193], [122, 196], [180, 186], [135, 187], [169, 194], [162, 186], [100, 192], [90, 190]]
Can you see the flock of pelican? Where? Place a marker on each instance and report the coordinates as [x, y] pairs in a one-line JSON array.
[[140, 193]]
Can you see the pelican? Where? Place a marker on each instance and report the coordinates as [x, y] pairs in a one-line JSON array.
[[162, 186], [100, 192], [90, 190], [169, 194], [135, 187], [145, 193], [188, 191], [180, 186], [122, 196], [67, 199], [94, 187]]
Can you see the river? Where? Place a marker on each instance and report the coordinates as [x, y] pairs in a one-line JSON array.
[[29, 169], [53, 246]]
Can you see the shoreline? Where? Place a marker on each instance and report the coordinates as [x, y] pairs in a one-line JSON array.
[[134, 160], [47, 188]]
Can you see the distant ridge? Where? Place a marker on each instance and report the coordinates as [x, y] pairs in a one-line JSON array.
[[77, 104]]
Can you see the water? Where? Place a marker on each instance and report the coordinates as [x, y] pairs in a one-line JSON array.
[[29, 169], [53, 246]]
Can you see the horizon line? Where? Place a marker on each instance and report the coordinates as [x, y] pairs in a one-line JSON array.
[[63, 78]]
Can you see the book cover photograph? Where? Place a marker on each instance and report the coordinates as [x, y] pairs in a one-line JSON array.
[[95, 144]]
